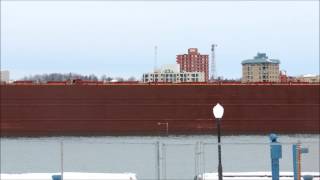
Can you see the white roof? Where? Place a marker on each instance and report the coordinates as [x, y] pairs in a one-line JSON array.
[[309, 75], [70, 176], [253, 176]]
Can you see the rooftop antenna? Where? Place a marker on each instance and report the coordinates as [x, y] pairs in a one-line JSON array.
[[155, 58], [213, 63]]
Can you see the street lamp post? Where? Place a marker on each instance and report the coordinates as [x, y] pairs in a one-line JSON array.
[[218, 113]]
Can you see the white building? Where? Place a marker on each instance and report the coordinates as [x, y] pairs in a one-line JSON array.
[[309, 78], [171, 74], [4, 77]]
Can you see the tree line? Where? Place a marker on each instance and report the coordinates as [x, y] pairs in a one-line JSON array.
[[42, 78]]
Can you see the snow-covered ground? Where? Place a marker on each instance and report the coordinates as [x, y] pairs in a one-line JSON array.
[[70, 176], [253, 176]]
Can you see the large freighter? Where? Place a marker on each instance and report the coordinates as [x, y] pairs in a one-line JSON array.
[[144, 109]]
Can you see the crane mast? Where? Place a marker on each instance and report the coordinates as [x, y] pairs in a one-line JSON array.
[[213, 63]]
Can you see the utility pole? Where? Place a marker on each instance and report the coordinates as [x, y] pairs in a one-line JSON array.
[[61, 160], [158, 166]]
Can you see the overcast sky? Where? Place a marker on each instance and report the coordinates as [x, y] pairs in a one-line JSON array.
[[118, 38]]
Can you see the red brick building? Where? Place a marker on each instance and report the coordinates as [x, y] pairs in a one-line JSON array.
[[194, 62], [283, 77]]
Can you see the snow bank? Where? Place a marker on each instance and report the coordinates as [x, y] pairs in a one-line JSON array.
[[253, 176], [70, 176]]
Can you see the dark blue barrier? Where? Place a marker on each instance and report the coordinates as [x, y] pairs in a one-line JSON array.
[[307, 177], [56, 177]]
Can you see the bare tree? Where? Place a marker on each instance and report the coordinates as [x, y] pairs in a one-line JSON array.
[[42, 78], [93, 77], [105, 78], [59, 77], [131, 78], [119, 79]]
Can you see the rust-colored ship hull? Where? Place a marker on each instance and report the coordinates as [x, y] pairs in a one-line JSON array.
[[90, 110]]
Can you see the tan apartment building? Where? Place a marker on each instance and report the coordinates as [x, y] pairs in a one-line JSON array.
[[260, 69]]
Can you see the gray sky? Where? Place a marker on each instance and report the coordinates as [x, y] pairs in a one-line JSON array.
[[118, 38]]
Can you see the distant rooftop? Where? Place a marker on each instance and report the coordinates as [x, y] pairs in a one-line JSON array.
[[309, 75], [261, 58]]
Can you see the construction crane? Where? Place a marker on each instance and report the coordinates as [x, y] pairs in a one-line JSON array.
[[155, 58], [213, 63]]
